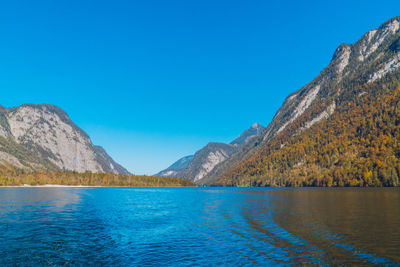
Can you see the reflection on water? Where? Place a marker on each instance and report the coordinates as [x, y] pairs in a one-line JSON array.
[[200, 226]]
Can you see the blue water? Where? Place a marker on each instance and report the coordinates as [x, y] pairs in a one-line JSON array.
[[198, 226]]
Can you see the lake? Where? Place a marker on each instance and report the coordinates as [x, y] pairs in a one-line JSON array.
[[199, 226]]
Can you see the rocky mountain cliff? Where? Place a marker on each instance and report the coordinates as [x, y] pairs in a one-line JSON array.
[[359, 75], [198, 166], [43, 137]]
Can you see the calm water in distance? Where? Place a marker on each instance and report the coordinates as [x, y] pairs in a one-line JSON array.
[[199, 226]]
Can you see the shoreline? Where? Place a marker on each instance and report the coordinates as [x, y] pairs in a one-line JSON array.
[[79, 186], [172, 186], [46, 186]]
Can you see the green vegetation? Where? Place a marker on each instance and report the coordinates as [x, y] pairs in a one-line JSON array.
[[359, 145], [10, 177]]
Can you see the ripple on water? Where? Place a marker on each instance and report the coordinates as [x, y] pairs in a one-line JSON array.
[[198, 226]]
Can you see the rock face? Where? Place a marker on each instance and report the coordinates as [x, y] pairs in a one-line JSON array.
[[196, 167], [372, 58], [50, 140]]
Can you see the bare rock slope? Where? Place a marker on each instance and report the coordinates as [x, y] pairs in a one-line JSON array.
[[43, 137]]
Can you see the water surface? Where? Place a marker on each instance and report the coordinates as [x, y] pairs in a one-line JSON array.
[[199, 226]]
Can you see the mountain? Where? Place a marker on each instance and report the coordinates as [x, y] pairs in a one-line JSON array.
[[198, 166], [177, 166], [205, 160], [341, 129], [245, 137], [43, 138]]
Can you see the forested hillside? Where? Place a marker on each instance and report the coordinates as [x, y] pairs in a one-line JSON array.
[[341, 129], [359, 145]]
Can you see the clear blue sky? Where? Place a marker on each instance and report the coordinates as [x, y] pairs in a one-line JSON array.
[[152, 81]]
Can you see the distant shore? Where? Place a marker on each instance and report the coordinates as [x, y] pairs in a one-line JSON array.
[[87, 179], [79, 186], [48, 185]]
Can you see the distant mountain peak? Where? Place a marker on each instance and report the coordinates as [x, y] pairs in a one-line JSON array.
[[204, 160], [246, 135], [176, 167]]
